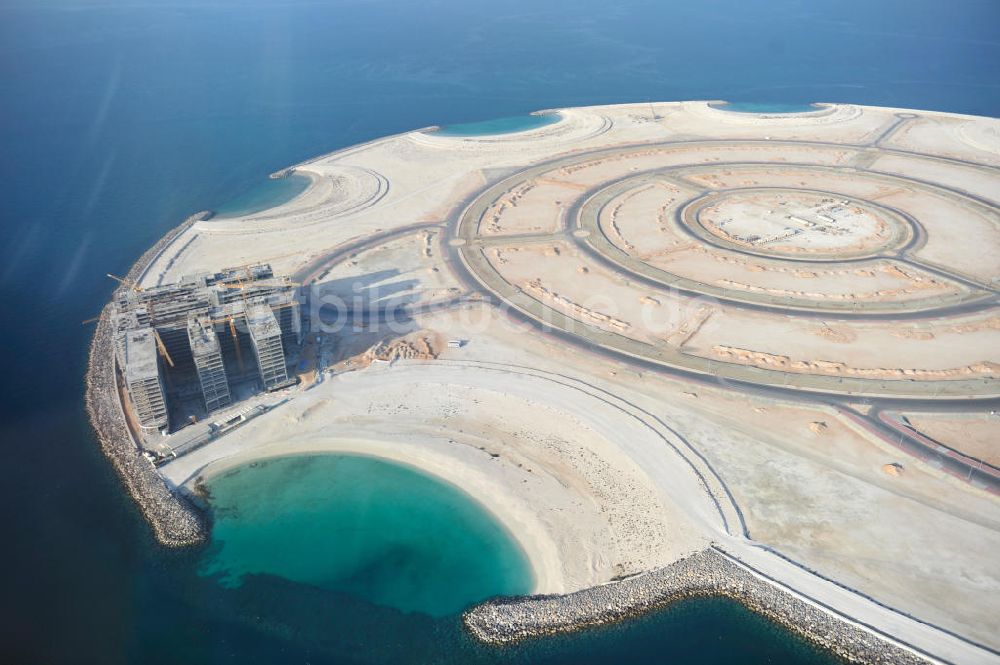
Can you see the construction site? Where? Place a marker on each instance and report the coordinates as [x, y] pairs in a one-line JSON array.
[[191, 352]]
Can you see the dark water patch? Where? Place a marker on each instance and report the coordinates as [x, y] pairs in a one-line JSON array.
[[287, 621]]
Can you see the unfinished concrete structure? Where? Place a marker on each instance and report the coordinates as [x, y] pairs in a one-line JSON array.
[[144, 379], [265, 336], [207, 354], [196, 332]]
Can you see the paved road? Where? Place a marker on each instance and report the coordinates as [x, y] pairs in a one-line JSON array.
[[772, 565], [852, 605], [611, 256], [974, 396], [312, 271], [888, 428], [602, 249]]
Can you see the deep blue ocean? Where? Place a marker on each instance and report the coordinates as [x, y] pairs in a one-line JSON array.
[[120, 118]]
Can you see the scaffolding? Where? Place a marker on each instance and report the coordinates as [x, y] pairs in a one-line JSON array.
[[207, 354], [184, 321], [265, 337], [143, 379]]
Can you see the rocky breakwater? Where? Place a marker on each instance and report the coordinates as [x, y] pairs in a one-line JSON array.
[[175, 522], [706, 573]]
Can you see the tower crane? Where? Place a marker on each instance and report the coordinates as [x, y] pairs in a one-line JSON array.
[[126, 282], [162, 347]]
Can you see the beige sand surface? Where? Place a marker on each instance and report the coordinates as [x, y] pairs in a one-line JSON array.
[[978, 141], [580, 506], [976, 435]]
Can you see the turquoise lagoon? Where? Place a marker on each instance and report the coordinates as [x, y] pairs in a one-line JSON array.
[[269, 193], [508, 125], [766, 107], [362, 526]]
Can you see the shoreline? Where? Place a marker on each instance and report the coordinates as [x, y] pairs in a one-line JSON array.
[[530, 538], [392, 445], [525, 540], [567, 507], [223, 214], [174, 521], [709, 573]]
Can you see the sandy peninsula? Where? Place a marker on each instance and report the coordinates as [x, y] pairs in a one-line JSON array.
[[647, 332]]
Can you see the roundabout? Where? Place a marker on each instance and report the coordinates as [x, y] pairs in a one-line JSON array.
[[795, 224]]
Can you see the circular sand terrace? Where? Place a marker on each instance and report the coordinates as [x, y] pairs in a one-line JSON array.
[[693, 255], [796, 224]]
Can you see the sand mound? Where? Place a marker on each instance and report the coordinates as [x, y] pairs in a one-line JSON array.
[[838, 335], [420, 348], [818, 427]]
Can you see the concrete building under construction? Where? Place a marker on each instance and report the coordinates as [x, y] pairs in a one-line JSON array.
[[207, 353], [143, 378], [197, 340]]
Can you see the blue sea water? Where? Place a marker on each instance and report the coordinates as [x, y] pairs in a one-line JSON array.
[[511, 125], [119, 119]]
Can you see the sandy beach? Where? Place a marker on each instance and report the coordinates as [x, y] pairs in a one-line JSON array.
[[582, 510]]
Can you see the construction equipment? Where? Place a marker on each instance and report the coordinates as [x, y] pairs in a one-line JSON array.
[[162, 347], [236, 344], [240, 284], [282, 305], [125, 282], [230, 320]]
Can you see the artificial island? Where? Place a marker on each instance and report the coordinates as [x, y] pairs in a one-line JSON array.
[[674, 348]]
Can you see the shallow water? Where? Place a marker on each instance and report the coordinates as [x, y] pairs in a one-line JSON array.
[[377, 530], [269, 193], [510, 125], [357, 555]]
